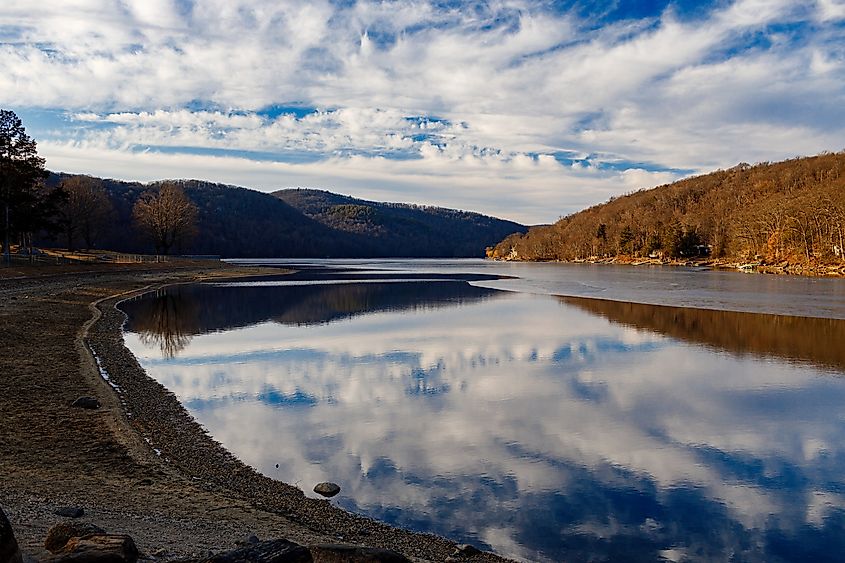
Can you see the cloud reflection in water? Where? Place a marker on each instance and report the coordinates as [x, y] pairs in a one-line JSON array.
[[520, 422]]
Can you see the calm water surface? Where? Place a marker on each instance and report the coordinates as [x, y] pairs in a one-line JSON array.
[[543, 427], [656, 285]]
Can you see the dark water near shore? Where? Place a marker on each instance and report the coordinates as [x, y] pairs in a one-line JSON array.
[[545, 428]]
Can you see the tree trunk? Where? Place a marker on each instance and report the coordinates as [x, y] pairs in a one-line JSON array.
[[7, 248], [89, 239], [806, 244]]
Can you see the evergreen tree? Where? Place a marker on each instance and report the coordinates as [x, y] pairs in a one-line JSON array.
[[25, 206]]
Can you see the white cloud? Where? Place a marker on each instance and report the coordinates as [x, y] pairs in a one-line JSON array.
[[516, 188], [831, 10], [511, 78]]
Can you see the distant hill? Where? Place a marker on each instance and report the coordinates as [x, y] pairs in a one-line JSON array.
[[400, 229], [790, 212], [239, 222]]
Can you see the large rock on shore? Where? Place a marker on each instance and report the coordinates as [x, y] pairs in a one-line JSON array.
[[327, 489], [99, 548], [9, 552], [61, 533], [271, 551]]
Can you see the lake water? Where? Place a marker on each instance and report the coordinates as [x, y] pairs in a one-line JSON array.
[[543, 427]]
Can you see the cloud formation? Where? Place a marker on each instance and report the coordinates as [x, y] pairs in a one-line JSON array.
[[516, 108]]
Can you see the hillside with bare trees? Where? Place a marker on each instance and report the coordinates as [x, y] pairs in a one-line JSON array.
[[788, 214], [205, 218]]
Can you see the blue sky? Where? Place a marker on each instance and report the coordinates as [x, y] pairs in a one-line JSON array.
[[523, 109]]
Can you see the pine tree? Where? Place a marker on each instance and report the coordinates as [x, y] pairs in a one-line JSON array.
[[21, 175]]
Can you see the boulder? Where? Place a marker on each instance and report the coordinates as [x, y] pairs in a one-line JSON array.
[[271, 551], [70, 512], [9, 552], [342, 553], [99, 548], [86, 403], [327, 489], [61, 533]]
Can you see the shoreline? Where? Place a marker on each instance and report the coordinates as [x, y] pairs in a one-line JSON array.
[[148, 468], [780, 268]]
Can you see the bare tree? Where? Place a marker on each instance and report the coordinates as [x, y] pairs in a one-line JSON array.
[[166, 215], [88, 211], [837, 212], [169, 320]]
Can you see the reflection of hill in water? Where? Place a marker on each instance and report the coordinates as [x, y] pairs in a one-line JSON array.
[[319, 304], [811, 340], [173, 315]]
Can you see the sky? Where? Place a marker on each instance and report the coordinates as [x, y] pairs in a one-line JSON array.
[[526, 110]]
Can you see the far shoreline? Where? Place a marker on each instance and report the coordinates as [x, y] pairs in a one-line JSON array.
[[758, 267]]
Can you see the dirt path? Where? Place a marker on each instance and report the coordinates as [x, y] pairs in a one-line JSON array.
[[192, 498]]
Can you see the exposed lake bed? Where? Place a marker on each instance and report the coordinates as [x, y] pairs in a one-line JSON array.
[[541, 427]]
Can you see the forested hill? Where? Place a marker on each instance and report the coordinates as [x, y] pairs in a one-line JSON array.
[[240, 222], [395, 229], [790, 212]]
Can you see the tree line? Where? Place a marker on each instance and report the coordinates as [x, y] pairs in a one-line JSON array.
[[786, 212], [76, 208]]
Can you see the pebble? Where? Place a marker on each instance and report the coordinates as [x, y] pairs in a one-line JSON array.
[[89, 403], [70, 512]]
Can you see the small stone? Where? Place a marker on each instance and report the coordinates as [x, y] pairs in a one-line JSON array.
[[60, 534], [86, 403], [466, 550], [70, 512], [327, 489]]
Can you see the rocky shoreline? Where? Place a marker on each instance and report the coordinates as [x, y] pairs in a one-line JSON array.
[[77, 541], [762, 267], [140, 464]]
